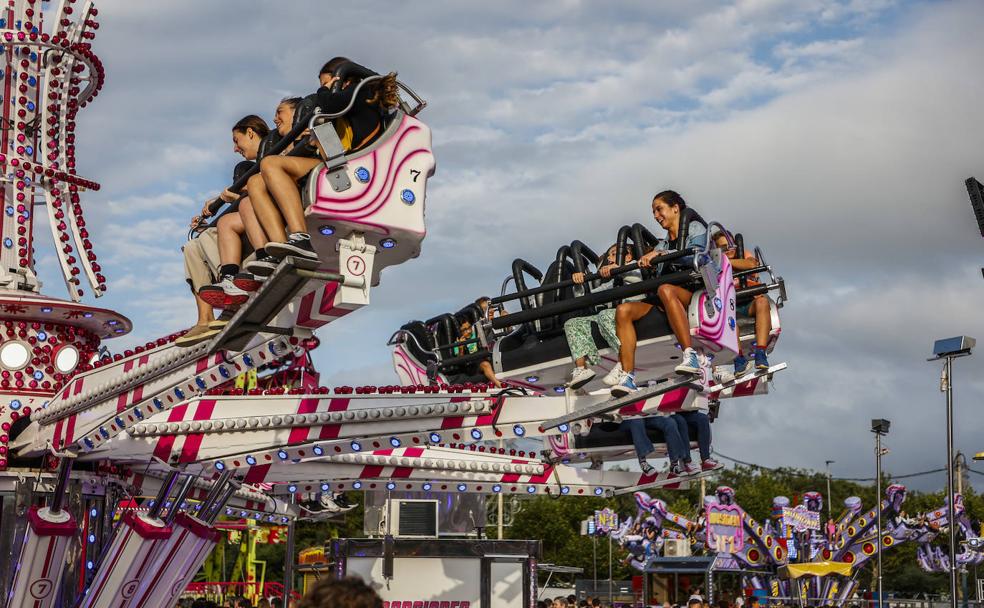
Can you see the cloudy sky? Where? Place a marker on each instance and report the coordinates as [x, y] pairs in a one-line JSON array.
[[835, 134]]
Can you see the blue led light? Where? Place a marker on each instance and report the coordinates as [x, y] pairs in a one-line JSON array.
[[282, 454], [30, 108], [356, 446], [327, 230], [324, 487], [87, 315], [565, 490], [88, 565], [519, 430], [46, 309], [9, 211], [119, 422], [563, 428], [408, 197], [531, 489], [426, 487], [15, 404], [362, 174], [318, 450], [200, 382], [242, 514], [158, 403], [532, 379], [357, 485], [94, 512], [228, 511], [29, 149], [387, 243], [390, 486], [223, 371], [462, 487], [395, 442], [731, 322], [32, 81], [435, 438], [38, 375], [599, 491], [220, 466], [92, 538], [138, 414], [179, 393], [250, 460], [42, 336], [248, 360], [291, 488], [496, 488], [558, 389], [104, 432]]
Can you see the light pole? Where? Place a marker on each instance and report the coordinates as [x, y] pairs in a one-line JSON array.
[[830, 501], [949, 349], [879, 426]]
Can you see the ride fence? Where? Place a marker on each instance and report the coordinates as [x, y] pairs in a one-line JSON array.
[[220, 591]]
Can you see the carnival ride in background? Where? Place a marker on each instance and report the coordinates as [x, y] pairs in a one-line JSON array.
[[114, 469], [794, 553]]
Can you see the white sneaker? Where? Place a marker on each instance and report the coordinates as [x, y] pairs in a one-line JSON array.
[[581, 376], [690, 364], [613, 377]]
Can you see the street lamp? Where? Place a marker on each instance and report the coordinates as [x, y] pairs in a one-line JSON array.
[[949, 349], [879, 426]]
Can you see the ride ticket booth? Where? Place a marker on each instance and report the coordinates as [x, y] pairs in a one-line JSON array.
[[670, 579], [442, 573]]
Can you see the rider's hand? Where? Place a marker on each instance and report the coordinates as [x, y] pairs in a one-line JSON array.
[[228, 195], [646, 260], [606, 271], [578, 277]]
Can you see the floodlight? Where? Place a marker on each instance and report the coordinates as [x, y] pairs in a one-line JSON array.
[[880, 426]]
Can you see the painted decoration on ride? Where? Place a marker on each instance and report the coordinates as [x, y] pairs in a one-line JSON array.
[[724, 528], [800, 519], [605, 521]]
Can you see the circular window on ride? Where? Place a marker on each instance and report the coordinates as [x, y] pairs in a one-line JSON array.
[[66, 359], [15, 355]]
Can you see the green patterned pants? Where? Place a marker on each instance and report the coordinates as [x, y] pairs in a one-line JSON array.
[[578, 331]]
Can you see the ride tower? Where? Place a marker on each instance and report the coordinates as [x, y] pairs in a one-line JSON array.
[[49, 73]]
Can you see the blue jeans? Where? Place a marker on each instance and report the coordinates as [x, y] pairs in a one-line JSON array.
[[699, 420], [676, 446]]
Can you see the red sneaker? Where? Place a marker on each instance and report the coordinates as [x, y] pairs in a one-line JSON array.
[[710, 464]]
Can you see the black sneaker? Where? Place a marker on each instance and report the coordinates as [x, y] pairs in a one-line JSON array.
[[297, 245], [339, 499], [262, 266]]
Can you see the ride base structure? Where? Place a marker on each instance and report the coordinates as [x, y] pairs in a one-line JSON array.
[[114, 470]]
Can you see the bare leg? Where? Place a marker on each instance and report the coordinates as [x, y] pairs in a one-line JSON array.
[[231, 229], [763, 320], [580, 362], [675, 302], [265, 209], [281, 174], [625, 315], [254, 232], [205, 314]]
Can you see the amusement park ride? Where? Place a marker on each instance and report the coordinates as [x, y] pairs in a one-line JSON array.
[[793, 555], [162, 430]]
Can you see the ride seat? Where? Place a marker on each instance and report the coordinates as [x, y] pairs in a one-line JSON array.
[[608, 435], [522, 350], [383, 199]]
